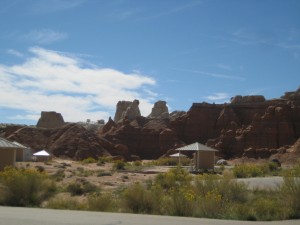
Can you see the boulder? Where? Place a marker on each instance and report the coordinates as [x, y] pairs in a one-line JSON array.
[[50, 120]]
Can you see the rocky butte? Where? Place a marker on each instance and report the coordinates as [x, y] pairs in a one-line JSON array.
[[248, 126], [50, 120]]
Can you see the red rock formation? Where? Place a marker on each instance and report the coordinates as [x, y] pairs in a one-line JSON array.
[[248, 126], [50, 120], [143, 137], [71, 140]]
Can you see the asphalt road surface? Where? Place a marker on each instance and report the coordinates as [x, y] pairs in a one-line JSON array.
[[34, 216]]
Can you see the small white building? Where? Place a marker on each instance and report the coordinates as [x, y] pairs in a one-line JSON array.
[[23, 154], [7, 153]]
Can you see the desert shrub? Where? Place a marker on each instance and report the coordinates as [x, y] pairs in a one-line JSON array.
[[293, 171], [248, 170], [273, 166], [137, 199], [66, 202], [134, 166], [80, 187], [119, 165], [89, 160], [179, 202], [102, 173], [104, 159], [174, 178], [40, 168], [290, 195], [265, 208], [25, 187], [59, 175], [104, 202], [168, 161], [226, 186], [81, 172]]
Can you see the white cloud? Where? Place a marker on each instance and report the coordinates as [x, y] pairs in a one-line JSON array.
[[15, 53], [52, 81], [44, 36], [219, 97]]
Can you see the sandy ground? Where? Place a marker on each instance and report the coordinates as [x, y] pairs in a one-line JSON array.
[[103, 176]]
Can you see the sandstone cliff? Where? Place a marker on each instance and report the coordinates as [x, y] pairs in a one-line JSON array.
[[50, 120], [248, 126]]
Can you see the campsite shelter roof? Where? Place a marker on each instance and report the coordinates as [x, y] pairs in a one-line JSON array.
[[196, 147], [20, 145], [41, 153], [178, 155], [7, 144]]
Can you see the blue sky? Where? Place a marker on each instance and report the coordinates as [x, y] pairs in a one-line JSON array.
[[80, 57]]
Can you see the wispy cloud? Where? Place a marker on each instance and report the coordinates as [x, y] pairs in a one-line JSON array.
[[224, 66], [44, 36], [287, 39], [210, 74], [15, 53], [174, 10], [218, 97], [50, 80], [40, 7]]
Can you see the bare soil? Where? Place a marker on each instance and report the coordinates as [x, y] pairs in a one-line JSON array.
[[103, 176]]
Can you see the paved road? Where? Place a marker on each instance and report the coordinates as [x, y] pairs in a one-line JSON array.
[[33, 216], [262, 182]]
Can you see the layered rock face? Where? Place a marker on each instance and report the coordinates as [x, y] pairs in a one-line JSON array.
[[127, 109], [159, 111], [71, 140], [144, 137], [50, 120], [248, 126]]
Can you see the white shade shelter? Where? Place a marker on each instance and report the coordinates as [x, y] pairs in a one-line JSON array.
[[178, 155], [42, 155], [204, 157]]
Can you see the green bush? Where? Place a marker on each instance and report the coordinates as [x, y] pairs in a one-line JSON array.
[[66, 202], [248, 170], [59, 175], [174, 178], [172, 161], [81, 172], [89, 160], [81, 187], [25, 187], [119, 165], [137, 199], [290, 195], [102, 202], [102, 173]]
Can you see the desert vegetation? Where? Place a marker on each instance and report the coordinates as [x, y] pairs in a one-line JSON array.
[[175, 192]]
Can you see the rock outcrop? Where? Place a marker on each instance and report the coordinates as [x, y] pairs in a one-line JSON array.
[[249, 126], [50, 120], [159, 110], [143, 137], [127, 109], [71, 140]]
